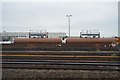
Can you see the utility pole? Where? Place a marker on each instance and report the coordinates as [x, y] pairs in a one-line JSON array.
[[69, 23]]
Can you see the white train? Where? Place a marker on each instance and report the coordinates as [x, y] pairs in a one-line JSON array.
[[6, 40]]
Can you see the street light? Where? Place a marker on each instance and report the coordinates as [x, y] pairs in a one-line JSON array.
[[69, 22]]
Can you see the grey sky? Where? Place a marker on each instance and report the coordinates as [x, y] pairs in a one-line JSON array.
[[51, 16]]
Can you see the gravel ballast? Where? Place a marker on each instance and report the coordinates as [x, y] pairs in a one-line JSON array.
[[34, 74]]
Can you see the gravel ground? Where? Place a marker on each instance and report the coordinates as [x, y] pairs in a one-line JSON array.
[[34, 74]]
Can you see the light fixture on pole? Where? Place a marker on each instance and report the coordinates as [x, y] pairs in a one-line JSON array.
[[69, 23]]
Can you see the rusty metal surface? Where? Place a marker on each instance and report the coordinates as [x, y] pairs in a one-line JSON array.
[[38, 40], [68, 40], [55, 44], [91, 40]]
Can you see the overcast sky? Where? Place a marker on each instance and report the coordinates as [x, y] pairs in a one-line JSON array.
[[51, 16]]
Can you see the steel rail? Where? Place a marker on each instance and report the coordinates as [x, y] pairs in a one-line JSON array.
[[24, 51], [62, 60], [64, 63], [70, 56]]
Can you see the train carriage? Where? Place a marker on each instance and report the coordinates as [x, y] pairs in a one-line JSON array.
[[58, 44]]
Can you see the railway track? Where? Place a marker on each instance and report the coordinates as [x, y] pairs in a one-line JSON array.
[[64, 52], [63, 65], [61, 60]]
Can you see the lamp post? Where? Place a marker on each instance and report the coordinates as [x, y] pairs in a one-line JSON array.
[[69, 23]]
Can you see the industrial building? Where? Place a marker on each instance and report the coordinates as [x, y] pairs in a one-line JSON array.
[[34, 34], [89, 34], [56, 34], [16, 34]]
